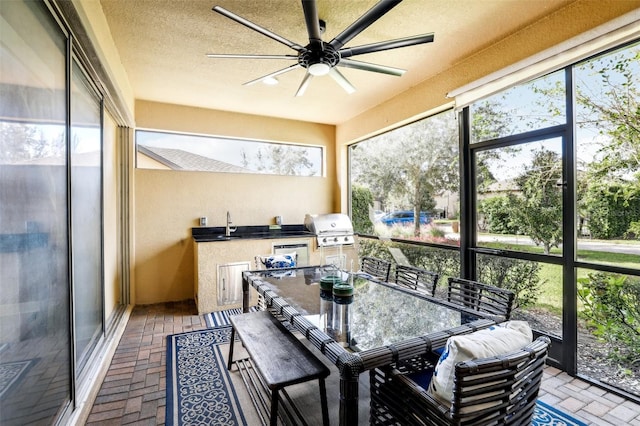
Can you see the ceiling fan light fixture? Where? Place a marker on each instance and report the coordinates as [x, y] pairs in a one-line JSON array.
[[319, 69]]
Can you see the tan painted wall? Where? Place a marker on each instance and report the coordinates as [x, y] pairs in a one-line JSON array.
[[169, 203], [146, 162], [95, 24]]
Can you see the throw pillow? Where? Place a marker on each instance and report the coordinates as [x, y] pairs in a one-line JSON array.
[[496, 340], [280, 261]]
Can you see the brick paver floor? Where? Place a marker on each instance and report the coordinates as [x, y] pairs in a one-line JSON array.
[[133, 391]]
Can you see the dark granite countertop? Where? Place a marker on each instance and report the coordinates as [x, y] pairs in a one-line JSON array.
[[217, 233]]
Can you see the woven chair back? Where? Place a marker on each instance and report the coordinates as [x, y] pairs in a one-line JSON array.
[[480, 297], [375, 267], [417, 279]]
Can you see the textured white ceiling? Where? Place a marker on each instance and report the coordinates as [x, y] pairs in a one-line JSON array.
[[163, 43]]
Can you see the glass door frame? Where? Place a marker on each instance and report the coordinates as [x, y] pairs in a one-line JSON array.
[[564, 352]]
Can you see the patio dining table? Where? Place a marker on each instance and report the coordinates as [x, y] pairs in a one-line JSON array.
[[361, 324]]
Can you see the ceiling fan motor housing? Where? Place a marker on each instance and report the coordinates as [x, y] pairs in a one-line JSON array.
[[311, 55]]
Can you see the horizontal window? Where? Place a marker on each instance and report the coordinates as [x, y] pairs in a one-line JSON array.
[[173, 151]]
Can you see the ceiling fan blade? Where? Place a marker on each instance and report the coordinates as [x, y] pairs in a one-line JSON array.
[[386, 45], [242, 56], [313, 22], [272, 75], [257, 28], [342, 81], [372, 15], [366, 66], [305, 83]]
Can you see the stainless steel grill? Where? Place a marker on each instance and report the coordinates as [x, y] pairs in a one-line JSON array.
[[334, 229]]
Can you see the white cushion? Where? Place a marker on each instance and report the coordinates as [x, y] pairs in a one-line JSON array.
[[496, 340]]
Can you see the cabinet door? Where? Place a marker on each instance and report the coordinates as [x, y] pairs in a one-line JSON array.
[[230, 282]]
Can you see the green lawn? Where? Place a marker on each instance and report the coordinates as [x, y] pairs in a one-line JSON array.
[[551, 275]]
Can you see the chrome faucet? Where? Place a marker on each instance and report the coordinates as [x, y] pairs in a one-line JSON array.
[[229, 229]]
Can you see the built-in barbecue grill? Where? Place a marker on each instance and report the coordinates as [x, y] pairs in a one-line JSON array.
[[334, 229]]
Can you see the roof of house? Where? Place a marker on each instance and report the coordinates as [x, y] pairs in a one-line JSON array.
[[178, 159]]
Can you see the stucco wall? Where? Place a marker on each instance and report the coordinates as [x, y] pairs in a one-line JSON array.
[[169, 203]]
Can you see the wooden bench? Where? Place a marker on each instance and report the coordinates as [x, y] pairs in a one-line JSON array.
[[278, 356]]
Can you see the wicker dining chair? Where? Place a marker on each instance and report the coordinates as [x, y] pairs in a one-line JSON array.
[[417, 279], [481, 297], [499, 390], [378, 268]]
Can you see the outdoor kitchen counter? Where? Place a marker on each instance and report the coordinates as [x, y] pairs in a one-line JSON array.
[[217, 233], [219, 260]]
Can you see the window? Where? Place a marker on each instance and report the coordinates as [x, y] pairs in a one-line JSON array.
[[531, 106], [556, 200], [51, 266], [608, 158], [404, 183], [86, 213], [519, 193], [173, 151]]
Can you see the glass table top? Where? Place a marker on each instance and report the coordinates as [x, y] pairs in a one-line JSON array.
[[376, 315]]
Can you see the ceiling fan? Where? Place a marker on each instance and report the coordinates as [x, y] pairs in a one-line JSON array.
[[321, 58]]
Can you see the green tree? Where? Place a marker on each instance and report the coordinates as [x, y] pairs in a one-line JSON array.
[[413, 163], [280, 159], [612, 105], [612, 309], [498, 215], [538, 209], [607, 103], [23, 142]]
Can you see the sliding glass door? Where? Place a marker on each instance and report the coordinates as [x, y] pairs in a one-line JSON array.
[[86, 213], [35, 333], [51, 237]]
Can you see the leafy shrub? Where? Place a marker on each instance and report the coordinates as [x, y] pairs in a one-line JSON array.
[[435, 232], [374, 248], [498, 219], [612, 310], [519, 276], [633, 231], [612, 209], [441, 261], [445, 263], [361, 200]]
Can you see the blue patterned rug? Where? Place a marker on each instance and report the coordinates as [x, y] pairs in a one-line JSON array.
[[221, 318], [11, 373], [199, 388], [547, 415], [200, 391]]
